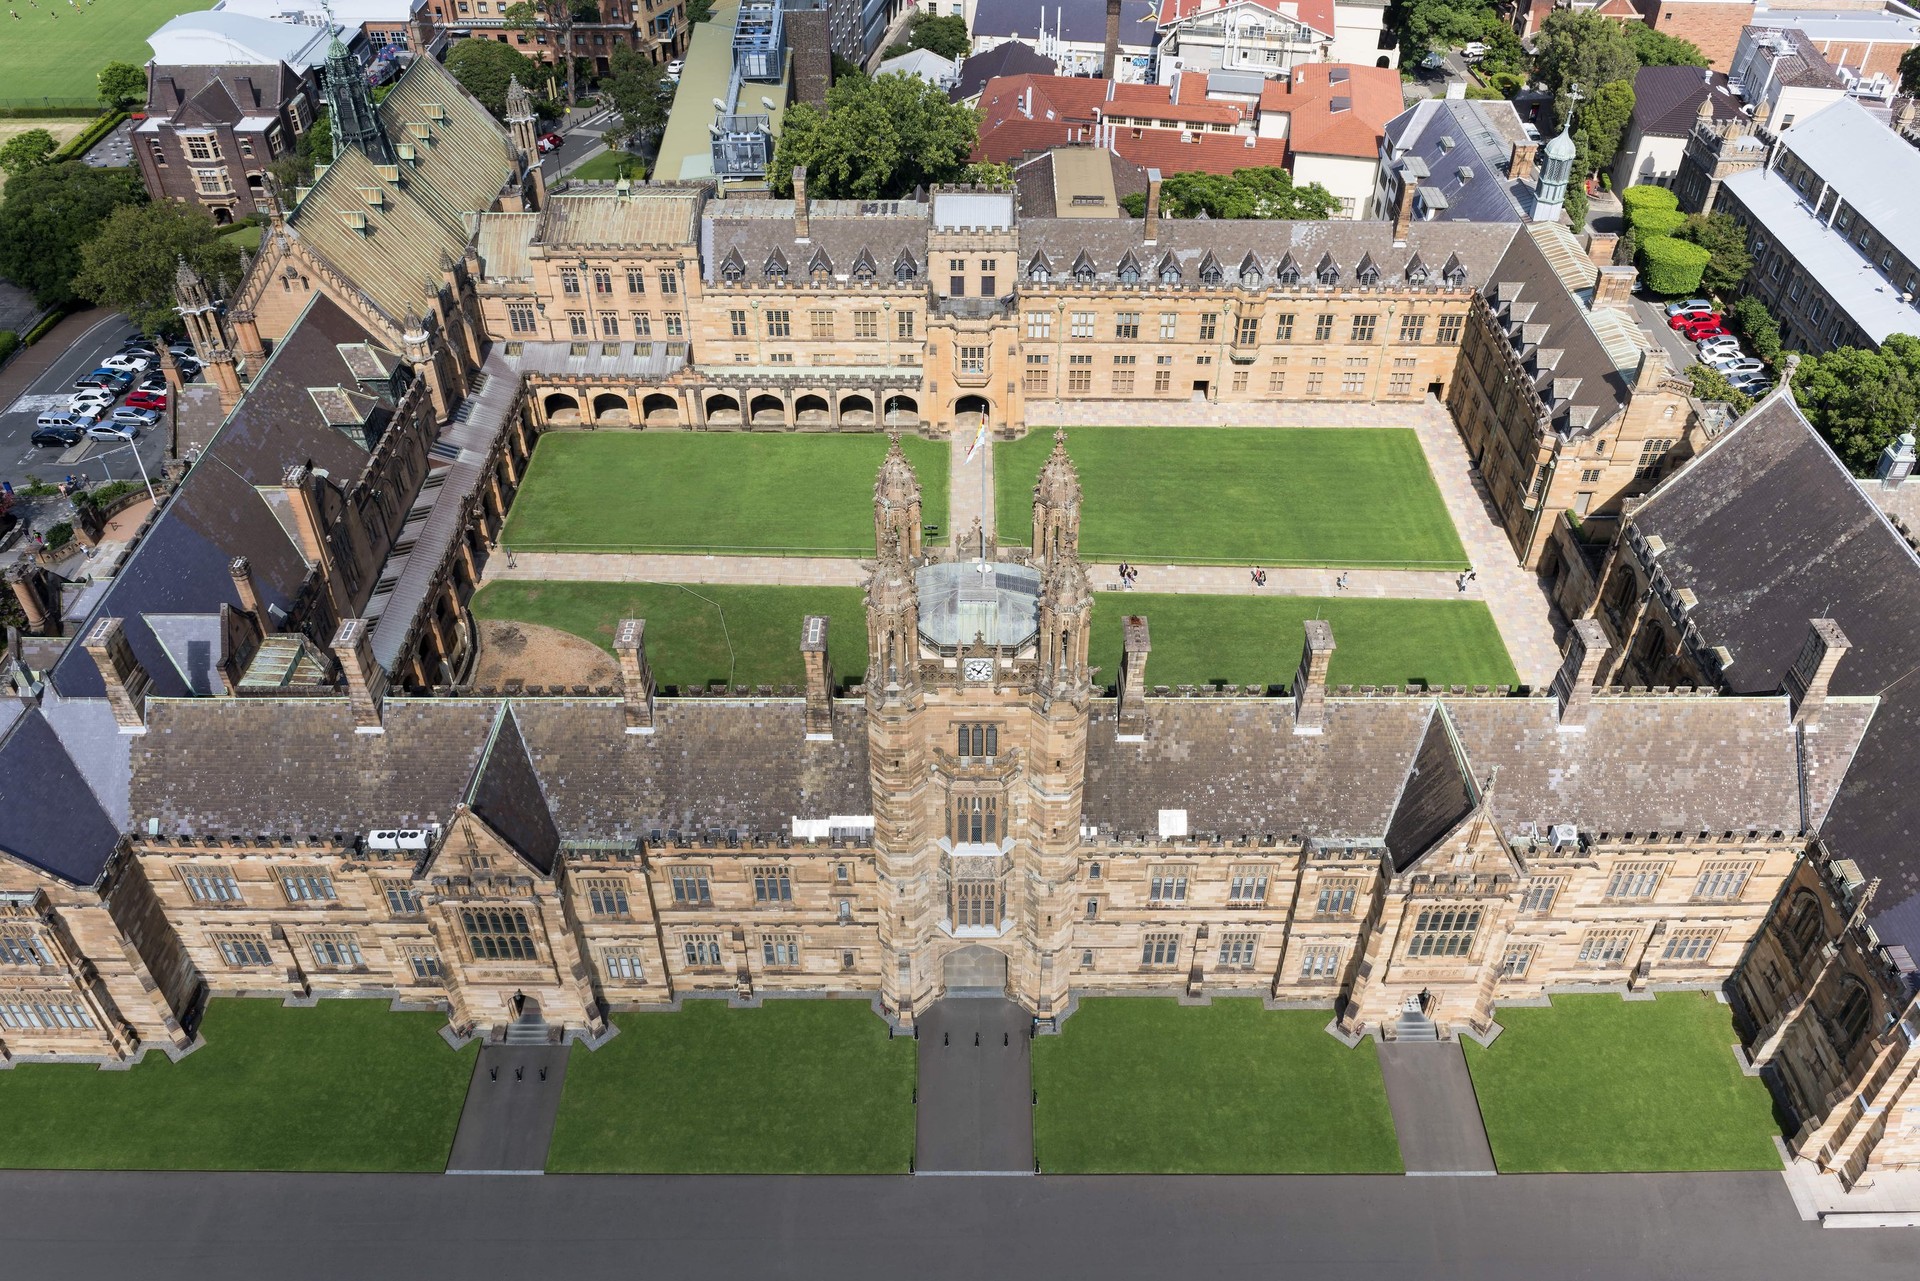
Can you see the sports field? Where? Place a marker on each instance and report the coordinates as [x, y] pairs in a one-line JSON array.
[[725, 493], [1351, 498], [56, 49]]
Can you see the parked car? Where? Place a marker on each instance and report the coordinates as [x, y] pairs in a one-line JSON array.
[[1752, 385], [1473, 50], [57, 437], [1681, 319], [1691, 304], [134, 417], [117, 379], [152, 382], [1738, 366], [1720, 345], [134, 347], [675, 67], [131, 364], [549, 142], [1705, 327], [91, 398], [189, 368], [154, 400], [113, 431]]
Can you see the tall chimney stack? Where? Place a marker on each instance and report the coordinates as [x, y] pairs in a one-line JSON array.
[[636, 677], [813, 655], [242, 571], [802, 225], [1135, 645], [1112, 57], [1153, 207], [1811, 674], [30, 589], [366, 681], [126, 680], [1310, 682], [1573, 686], [1403, 207]]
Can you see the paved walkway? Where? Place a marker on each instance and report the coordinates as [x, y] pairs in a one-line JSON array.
[[1046, 415], [967, 501], [1519, 601], [975, 1109], [1435, 1113], [507, 1121]]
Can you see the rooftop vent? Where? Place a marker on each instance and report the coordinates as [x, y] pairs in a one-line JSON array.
[[355, 220]]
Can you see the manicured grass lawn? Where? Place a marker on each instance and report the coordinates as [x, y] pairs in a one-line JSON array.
[[722, 492], [1280, 496], [700, 633], [56, 49], [346, 1085], [794, 1087], [1256, 640], [1146, 1085], [610, 165], [1598, 1083]]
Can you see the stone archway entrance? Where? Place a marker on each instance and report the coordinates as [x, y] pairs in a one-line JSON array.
[[975, 971]]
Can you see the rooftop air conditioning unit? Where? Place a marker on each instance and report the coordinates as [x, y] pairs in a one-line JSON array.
[[384, 839], [411, 838], [1564, 836]]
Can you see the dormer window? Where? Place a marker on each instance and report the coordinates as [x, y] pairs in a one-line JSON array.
[[1083, 271], [1039, 275], [1417, 277], [1129, 271], [1250, 278], [732, 271], [1210, 274], [904, 270], [1289, 275], [1328, 275]]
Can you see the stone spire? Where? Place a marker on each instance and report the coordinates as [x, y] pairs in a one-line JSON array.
[[189, 290], [1066, 621], [1056, 505], [521, 119], [896, 502], [355, 123], [893, 625]]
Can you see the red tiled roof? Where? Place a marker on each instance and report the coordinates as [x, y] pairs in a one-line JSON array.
[[1065, 109], [1335, 109]]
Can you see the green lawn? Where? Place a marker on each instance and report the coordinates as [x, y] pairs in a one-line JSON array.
[[700, 633], [722, 492], [609, 165], [811, 1087], [346, 1085], [1281, 496], [1146, 1085], [1598, 1083], [1256, 640], [56, 49]]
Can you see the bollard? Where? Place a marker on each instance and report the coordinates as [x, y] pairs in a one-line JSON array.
[[946, 1038], [1006, 1038]]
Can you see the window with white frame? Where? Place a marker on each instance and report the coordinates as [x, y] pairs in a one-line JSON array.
[[1540, 892], [336, 951], [607, 897], [1169, 325], [1237, 951], [1516, 962], [772, 883], [243, 950], [402, 898], [623, 964], [210, 884], [692, 886], [20, 945], [1167, 884], [1082, 324], [20, 1012], [1160, 951], [1319, 963], [1634, 882], [1247, 885], [1722, 882], [1039, 324], [1337, 897], [1605, 947], [308, 885]]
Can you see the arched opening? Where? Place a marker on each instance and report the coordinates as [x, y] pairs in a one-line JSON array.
[[560, 408], [970, 411], [222, 216], [1851, 1014], [660, 410], [723, 410], [1380, 61], [611, 409], [856, 411], [1803, 924], [900, 411], [812, 411], [974, 971], [766, 410]]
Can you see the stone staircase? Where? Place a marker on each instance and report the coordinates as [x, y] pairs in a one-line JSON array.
[[1414, 1026], [528, 1029]]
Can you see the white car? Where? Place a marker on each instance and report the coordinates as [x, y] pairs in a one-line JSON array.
[[135, 418], [127, 364], [98, 398], [1700, 305], [675, 67], [1715, 348], [1740, 367]]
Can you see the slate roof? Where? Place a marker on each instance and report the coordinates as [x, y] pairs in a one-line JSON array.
[[1768, 531], [506, 795], [1483, 135], [50, 816], [1008, 58], [1036, 189], [228, 506], [237, 90], [1666, 100], [842, 229], [1437, 795]]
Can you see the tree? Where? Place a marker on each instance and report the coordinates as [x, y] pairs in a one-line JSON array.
[[129, 266], [699, 11], [483, 68], [1582, 49], [1724, 239], [25, 151], [1671, 267], [537, 17], [51, 211], [1710, 384], [1860, 400], [1910, 70], [1756, 324], [636, 87], [944, 36], [877, 139], [122, 85], [1602, 124], [294, 169], [1245, 193], [1658, 49]]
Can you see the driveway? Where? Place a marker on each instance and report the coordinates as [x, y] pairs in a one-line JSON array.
[[21, 462], [1653, 318], [975, 1108]]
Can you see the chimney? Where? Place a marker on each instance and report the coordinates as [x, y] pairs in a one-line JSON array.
[[1603, 247], [1614, 285], [1652, 370], [1812, 672], [366, 682], [1135, 645], [242, 570], [298, 483], [1403, 207], [1112, 57], [30, 589], [813, 655], [1520, 165], [636, 677], [802, 231], [1310, 682], [1586, 649], [1153, 206], [124, 677]]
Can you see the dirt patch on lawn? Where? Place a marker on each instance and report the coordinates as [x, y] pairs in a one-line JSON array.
[[538, 655]]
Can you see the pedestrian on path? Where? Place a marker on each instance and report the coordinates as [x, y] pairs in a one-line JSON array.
[[1340, 583]]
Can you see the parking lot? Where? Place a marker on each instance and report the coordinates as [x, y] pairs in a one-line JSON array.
[[21, 462]]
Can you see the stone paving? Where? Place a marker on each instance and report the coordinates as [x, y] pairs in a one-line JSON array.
[[969, 489]]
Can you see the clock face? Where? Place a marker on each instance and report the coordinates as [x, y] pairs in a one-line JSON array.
[[979, 669]]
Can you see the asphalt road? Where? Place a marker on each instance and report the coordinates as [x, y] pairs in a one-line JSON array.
[[20, 460], [580, 135], [1704, 1227]]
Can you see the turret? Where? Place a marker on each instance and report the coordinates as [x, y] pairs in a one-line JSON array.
[[521, 119], [1056, 505], [355, 122], [896, 503], [893, 627]]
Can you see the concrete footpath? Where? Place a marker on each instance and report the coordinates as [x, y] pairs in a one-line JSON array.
[[1435, 1113], [507, 1121], [975, 1110]]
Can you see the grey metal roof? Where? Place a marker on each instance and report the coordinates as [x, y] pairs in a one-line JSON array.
[[1008, 58], [1871, 166], [1450, 134]]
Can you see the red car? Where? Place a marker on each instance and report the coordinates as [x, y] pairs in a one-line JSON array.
[[1702, 327], [549, 142], [1681, 319], [154, 400]]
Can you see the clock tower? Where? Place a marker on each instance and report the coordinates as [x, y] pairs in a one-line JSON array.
[[977, 699]]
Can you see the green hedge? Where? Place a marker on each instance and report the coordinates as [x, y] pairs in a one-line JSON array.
[[45, 327], [80, 107], [1647, 196], [1672, 266], [9, 343], [1650, 223], [84, 141]]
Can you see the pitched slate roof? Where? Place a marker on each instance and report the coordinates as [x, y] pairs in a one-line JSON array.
[[1008, 58], [50, 815], [507, 796], [1768, 531], [1447, 135], [1666, 100], [1437, 795], [757, 230]]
